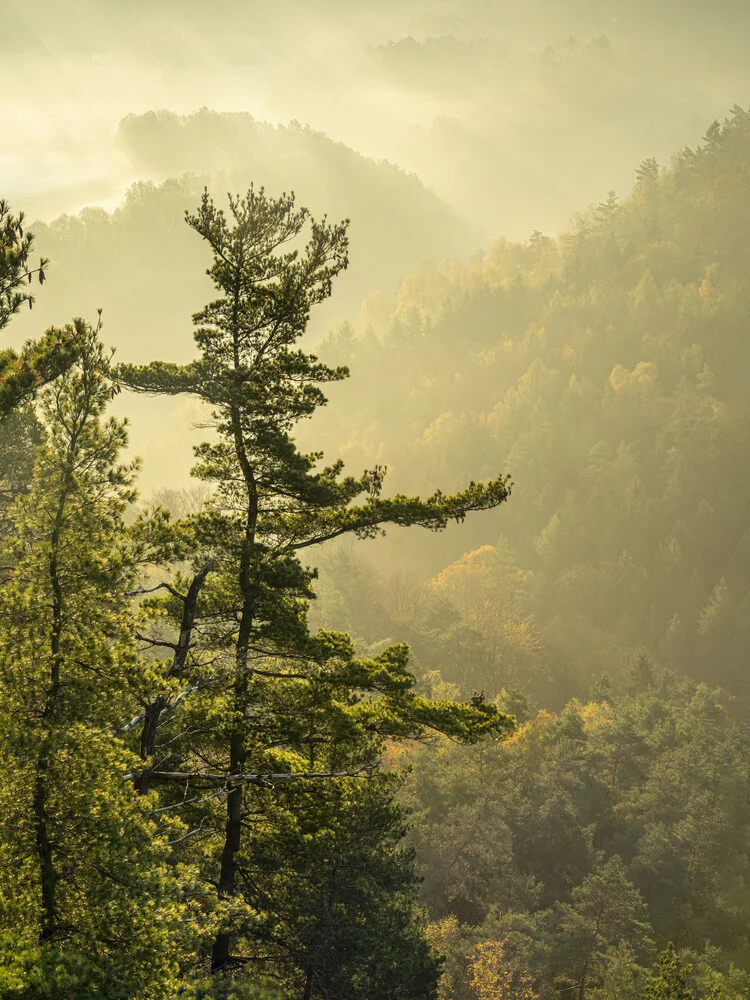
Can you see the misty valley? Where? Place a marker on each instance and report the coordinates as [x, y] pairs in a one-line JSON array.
[[375, 501]]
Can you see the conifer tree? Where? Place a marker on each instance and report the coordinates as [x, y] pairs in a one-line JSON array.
[[333, 893], [606, 909], [88, 905], [282, 704], [16, 268], [670, 983]]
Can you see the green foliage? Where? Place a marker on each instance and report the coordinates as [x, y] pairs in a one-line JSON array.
[[605, 912], [16, 270], [89, 903], [589, 838], [670, 983], [21, 375], [19, 438], [333, 893]]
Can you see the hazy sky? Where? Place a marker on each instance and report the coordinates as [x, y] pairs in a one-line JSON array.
[[71, 72]]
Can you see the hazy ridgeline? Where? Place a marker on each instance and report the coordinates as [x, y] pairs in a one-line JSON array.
[[517, 115], [549, 277]]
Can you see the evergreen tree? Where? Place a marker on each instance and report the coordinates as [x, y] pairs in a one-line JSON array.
[[281, 703], [606, 910], [333, 893], [16, 268], [88, 905], [670, 983]]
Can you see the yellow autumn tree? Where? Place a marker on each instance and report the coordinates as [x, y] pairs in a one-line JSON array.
[[444, 936], [493, 978], [491, 592]]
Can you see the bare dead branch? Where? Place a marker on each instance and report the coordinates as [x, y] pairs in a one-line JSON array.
[[190, 833], [142, 591], [267, 780]]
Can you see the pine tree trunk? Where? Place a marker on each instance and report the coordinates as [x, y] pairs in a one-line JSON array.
[[221, 950], [150, 729], [237, 752], [237, 759], [47, 871], [307, 995], [148, 741], [582, 984]]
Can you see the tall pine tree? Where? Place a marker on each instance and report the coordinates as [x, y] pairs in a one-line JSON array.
[[278, 704]]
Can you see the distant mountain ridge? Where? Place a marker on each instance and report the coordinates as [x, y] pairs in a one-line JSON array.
[[143, 265]]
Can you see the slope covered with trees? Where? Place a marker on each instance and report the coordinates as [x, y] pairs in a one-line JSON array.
[[563, 861], [607, 371], [209, 758]]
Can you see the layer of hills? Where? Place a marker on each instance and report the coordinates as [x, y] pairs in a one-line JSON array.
[[516, 115], [143, 264], [146, 269]]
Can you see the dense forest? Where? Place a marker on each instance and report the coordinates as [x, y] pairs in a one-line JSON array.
[[259, 741], [606, 370], [164, 702]]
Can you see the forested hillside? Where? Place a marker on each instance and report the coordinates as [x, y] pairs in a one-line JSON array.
[[607, 371], [560, 861]]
